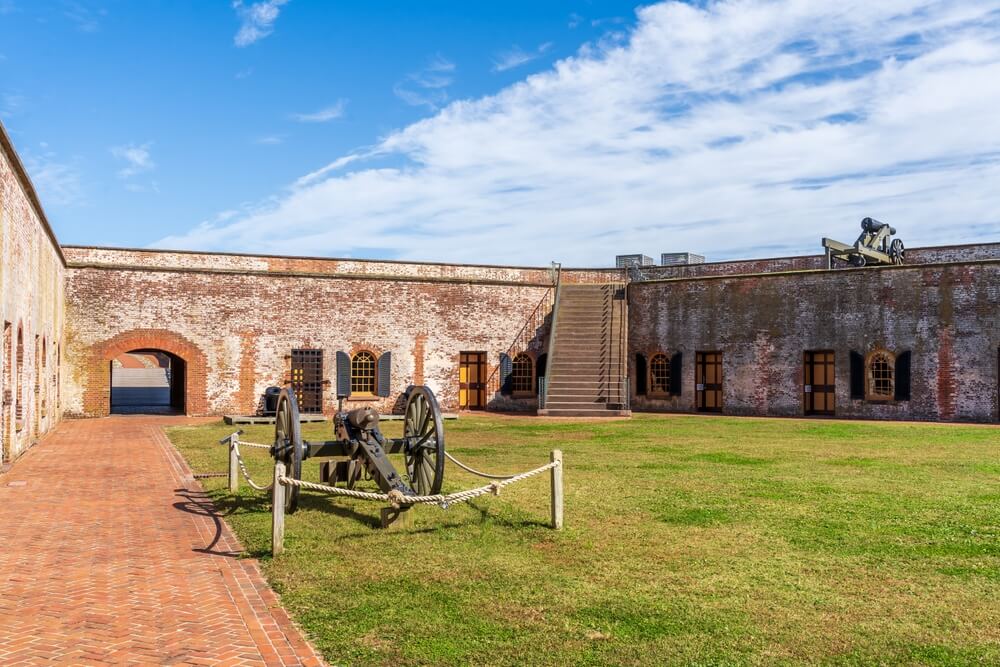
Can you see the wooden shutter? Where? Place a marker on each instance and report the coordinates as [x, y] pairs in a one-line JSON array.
[[675, 374], [903, 376], [343, 375], [641, 374], [384, 374], [506, 370], [857, 375]]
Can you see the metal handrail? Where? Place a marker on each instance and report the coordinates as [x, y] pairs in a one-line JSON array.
[[533, 321], [552, 332]]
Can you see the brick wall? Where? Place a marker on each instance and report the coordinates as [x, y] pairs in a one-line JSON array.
[[914, 256], [236, 328], [31, 309], [948, 316]]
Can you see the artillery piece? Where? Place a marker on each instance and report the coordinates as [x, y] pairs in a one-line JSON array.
[[872, 246], [360, 441]]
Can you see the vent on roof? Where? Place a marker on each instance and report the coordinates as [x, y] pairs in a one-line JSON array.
[[625, 261], [679, 258]]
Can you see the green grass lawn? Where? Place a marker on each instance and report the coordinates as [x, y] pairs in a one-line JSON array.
[[688, 540]]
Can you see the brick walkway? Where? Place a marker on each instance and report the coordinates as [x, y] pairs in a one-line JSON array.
[[109, 554]]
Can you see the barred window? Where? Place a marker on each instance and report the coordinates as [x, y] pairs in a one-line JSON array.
[[881, 375], [659, 374], [363, 373], [522, 375]]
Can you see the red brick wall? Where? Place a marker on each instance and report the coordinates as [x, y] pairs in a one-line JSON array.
[[235, 329], [31, 300], [948, 316]]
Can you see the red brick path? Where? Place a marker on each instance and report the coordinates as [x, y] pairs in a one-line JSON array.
[[110, 554]]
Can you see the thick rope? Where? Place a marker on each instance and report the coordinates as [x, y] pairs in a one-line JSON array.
[[243, 468], [255, 445], [473, 470], [396, 499]]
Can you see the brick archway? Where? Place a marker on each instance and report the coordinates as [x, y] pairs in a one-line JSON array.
[[97, 392]]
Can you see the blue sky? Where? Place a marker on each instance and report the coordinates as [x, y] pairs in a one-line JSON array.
[[505, 132]]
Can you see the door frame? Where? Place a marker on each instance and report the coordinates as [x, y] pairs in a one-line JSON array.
[[468, 359], [700, 365], [808, 385]]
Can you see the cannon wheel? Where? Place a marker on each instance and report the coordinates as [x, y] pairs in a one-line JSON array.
[[425, 457], [896, 251], [288, 438]]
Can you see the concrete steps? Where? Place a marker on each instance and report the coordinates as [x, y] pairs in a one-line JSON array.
[[588, 363]]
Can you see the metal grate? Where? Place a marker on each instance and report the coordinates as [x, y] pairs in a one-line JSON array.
[[307, 379]]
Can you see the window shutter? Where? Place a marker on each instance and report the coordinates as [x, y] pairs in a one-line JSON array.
[[384, 374], [641, 374], [506, 370], [675, 374], [857, 375], [343, 375], [903, 376]]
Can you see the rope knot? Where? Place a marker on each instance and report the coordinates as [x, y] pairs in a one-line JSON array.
[[495, 488], [396, 498]]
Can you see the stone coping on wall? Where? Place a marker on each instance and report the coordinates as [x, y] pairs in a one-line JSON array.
[[385, 269], [801, 272]]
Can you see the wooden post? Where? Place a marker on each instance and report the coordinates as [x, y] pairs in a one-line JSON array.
[[278, 511], [557, 489], [234, 465]]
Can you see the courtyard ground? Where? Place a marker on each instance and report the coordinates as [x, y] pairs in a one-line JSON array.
[[688, 540]]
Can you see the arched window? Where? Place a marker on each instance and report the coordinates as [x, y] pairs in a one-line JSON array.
[[363, 373], [522, 375], [659, 374], [881, 375]]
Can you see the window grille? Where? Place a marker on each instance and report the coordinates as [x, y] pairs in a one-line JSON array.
[[522, 375], [659, 374], [363, 373], [881, 375]]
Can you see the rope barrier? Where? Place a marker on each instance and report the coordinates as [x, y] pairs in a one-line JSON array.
[[255, 445], [479, 473], [397, 499], [243, 467]]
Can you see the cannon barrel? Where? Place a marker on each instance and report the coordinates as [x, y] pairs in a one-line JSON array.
[[872, 226]]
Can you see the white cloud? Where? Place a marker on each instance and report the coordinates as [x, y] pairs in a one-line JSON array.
[[516, 56], [58, 182], [324, 115], [86, 19], [256, 20], [747, 128], [270, 140], [427, 87], [136, 157]]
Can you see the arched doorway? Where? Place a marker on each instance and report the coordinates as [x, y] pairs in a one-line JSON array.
[[148, 381]]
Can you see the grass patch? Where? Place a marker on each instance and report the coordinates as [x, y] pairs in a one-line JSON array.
[[689, 540]]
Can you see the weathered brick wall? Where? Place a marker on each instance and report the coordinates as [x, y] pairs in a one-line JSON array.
[[31, 303], [235, 329], [947, 315], [914, 256]]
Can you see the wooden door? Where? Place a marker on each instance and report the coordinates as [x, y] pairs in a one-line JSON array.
[[472, 381], [819, 385], [708, 381]]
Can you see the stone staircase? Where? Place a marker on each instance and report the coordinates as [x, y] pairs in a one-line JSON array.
[[587, 362]]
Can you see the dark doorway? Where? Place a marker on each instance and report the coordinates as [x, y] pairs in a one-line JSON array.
[[148, 382], [708, 381], [307, 379], [819, 385], [472, 381]]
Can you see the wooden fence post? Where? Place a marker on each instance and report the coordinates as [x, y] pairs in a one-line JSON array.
[[278, 511], [234, 465], [557, 489]]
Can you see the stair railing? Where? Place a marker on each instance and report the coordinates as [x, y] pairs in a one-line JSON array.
[[549, 359], [524, 337]]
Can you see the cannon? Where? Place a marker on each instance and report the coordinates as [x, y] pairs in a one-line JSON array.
[[363, 447], [871, 247]]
